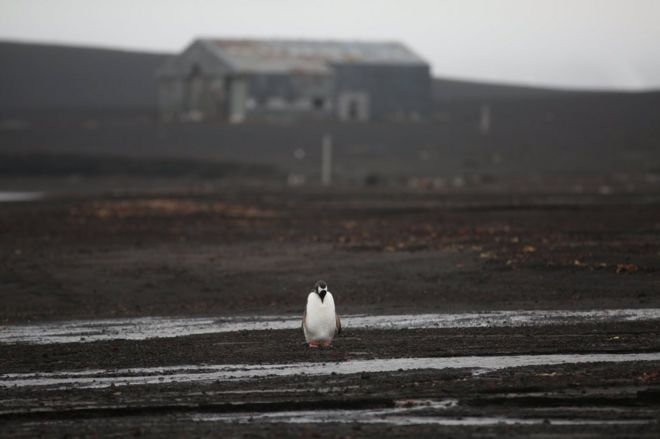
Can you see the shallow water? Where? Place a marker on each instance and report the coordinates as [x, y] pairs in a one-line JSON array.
[[227, 372], [7, 196], [165, 327], [400, 416], [401, 419]]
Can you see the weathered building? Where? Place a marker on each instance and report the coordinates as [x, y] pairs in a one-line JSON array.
[[235, 80]]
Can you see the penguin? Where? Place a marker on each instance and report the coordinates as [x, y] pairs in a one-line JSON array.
[[320, 321]]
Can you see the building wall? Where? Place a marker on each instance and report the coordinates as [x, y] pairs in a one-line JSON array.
[[194, 86], [201, 97], [392, 92], [197, 86], [290, 95]]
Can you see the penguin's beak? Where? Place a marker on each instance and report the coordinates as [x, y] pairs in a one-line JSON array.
[[321, 294]]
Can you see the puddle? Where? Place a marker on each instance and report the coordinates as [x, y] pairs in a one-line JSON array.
[[399, 417], [406, 412], [230, 372], [401, 414], [8, 197], [166, 327], [401, 420]]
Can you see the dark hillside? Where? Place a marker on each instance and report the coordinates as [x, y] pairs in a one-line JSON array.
[[450, 90], [74, 95], [45, 77]]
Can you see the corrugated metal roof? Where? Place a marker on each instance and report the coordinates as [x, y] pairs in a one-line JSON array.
[[269, 56]]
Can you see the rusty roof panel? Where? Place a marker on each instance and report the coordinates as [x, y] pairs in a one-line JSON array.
[[282, 56]]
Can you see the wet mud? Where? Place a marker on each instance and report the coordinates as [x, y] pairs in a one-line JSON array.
[[465, 315], [86, 331]]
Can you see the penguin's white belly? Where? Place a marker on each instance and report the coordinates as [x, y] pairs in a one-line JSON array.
[[320, 321], [320, 326]]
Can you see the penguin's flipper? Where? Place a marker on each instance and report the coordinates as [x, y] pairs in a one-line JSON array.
[[304, 321], [337, 324]]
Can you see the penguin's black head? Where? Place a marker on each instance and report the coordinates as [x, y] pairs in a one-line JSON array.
[[321, 288]]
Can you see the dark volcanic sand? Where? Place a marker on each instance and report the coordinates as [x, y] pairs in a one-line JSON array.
[[258, 252]]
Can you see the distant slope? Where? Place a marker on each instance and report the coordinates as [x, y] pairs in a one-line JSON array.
[[53, 78], [45, 77], [453, 90], [445, 90]]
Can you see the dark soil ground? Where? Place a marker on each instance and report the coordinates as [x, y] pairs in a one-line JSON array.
[[258, 251], [254, 251]]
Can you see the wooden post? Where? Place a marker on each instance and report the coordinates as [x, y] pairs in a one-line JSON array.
[[326, 160], [484, 119]]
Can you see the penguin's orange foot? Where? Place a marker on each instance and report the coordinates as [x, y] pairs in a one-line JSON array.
[[327, 344], [313, 344]]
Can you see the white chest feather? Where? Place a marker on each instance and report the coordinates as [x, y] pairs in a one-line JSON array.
[[320, 320]]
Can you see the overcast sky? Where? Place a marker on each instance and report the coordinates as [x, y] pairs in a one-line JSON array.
[[564, 43]]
